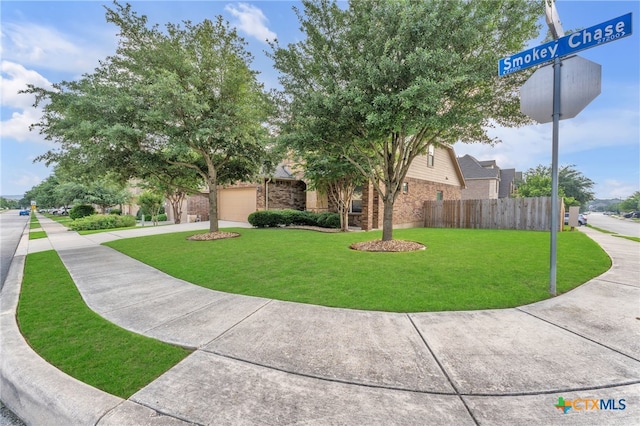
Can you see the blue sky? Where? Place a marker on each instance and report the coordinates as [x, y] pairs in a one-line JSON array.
[[44, 42]]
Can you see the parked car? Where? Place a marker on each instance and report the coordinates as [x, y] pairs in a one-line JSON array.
[[62, 211], [632, 215], [24, 212], [582, 219]]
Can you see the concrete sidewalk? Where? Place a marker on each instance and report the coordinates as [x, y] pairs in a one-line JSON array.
[[260, 361]]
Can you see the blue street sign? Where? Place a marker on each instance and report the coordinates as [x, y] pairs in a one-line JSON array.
[[612, 30]]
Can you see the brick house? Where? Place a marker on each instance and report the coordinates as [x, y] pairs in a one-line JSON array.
[[285, 189], [485, 180], [434, 176]]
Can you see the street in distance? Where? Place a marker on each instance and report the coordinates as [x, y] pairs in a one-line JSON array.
[[612, 30]]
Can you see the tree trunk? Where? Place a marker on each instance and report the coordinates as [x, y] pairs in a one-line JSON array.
[[213, 205], [387, 220], [176, 199]]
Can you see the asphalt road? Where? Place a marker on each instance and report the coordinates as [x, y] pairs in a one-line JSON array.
[[11, 228], [615, 224]]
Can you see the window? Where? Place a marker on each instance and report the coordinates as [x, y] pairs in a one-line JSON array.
[[405, 187], [356, 200], [431, 154], [439, 196]]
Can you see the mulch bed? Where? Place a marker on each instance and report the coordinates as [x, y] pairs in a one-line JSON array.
[[209, 236], [388, 246]]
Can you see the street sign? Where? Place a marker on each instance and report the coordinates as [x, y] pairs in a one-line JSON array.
[[611, 30], [580, 81]]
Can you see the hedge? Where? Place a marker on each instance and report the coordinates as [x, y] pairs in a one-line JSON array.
[[102, 221], [274, 218]]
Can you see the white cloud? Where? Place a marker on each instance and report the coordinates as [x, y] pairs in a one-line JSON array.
[[526, 147], [252, 21], [612, 188], [27, 180], [13, 78], [39, 46]]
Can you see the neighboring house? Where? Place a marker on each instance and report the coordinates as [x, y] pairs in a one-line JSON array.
[[434, 176], [485, 180]]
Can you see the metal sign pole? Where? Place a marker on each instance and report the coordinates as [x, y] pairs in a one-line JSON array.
[[555, 205], [583, 85]]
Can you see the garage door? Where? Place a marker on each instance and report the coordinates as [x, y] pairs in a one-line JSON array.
[[236, 203]]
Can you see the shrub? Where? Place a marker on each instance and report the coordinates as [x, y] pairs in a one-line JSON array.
[[81, 211], [162, 216], [102, 221], [329, 220], [264, 219], [273, 218], [115, 211], [332, 220]]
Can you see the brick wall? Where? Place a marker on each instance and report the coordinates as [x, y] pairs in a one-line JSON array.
[[198, 204], [408, 209], [283, 194]]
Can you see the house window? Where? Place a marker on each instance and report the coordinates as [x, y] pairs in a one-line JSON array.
[[405, 187], [439, 196], [431, 154], [356, 200]]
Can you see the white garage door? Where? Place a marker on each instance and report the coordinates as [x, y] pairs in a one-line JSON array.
[[236, 203]]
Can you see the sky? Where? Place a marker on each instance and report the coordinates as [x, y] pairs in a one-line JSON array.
[[45, 42]]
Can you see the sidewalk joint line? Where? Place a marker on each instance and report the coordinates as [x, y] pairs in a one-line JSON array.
[[577, 334], [328, 379], [444, 371], [163, 413], [240, 321]]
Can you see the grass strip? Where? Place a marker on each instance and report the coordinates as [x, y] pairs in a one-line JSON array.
[[34, 223], [64, 331], [34, 235], [461, 269], [604, 231], [636, 239]]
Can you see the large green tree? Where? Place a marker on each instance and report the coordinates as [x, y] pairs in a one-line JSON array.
[[44, 194], [183, 96], [573, 186], [632, 203], [383, 80]]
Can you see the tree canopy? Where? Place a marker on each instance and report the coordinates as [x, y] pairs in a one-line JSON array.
[[573, 186], [383, 80], [182, 97]]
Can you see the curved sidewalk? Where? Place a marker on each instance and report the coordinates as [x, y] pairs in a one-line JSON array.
[[260, 361]]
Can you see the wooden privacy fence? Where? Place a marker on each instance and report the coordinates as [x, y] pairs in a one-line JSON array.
[[533, 214]]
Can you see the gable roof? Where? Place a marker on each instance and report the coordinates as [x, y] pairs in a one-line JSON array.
[[473, 169]]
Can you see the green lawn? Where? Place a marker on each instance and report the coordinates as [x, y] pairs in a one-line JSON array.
[[461, 269], [63, 330]]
